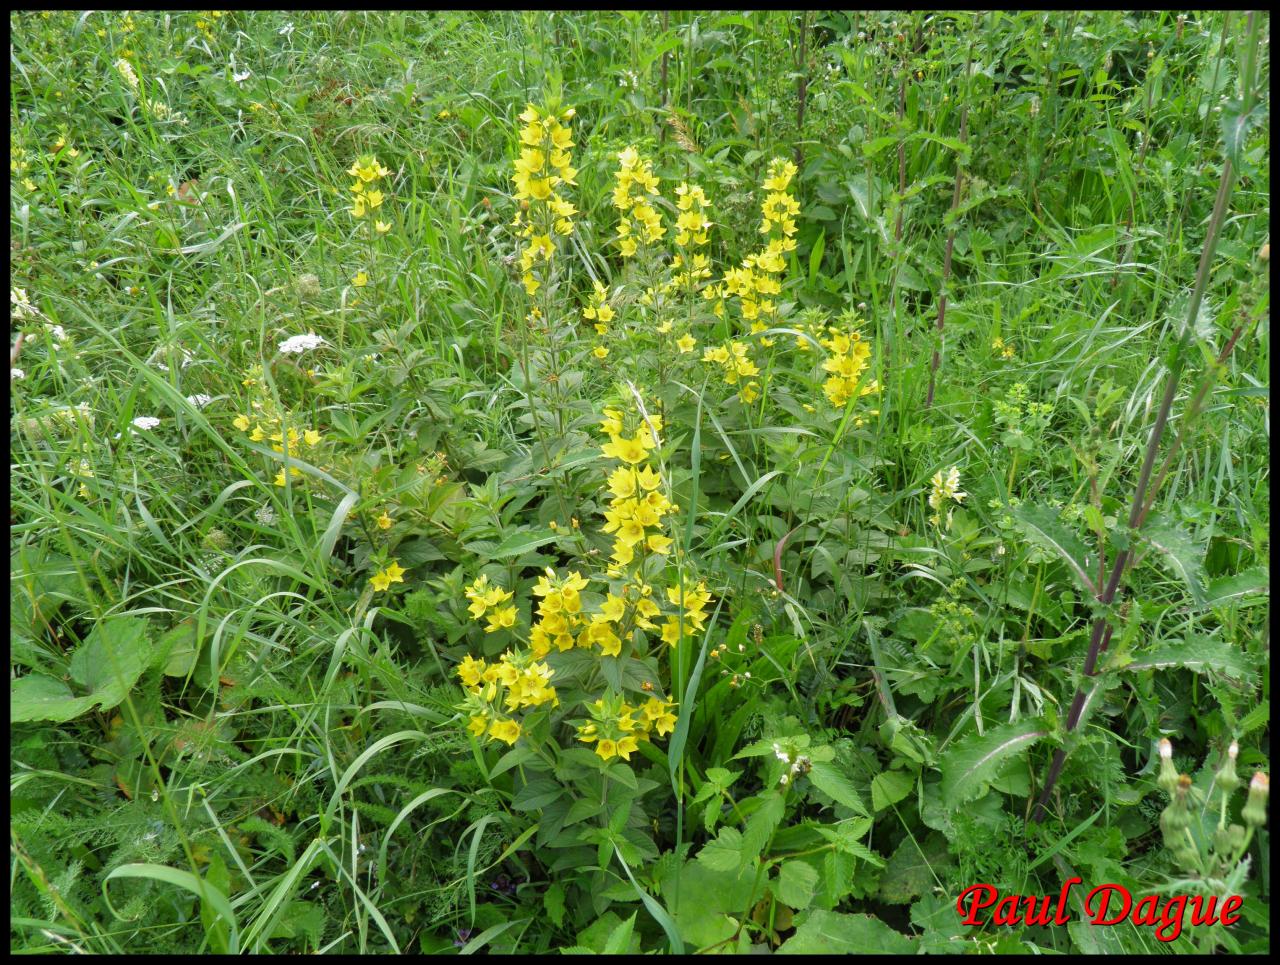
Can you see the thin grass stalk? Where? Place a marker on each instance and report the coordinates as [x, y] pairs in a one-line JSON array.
[[1102, 629]]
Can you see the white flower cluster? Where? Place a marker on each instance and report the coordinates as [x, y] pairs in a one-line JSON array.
[[199, 400], [16, 374], [146, 422], [800, 765], [298, 344]]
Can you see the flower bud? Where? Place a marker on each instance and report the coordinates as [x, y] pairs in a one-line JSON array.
[[1226, 778], [1168, 779], [1255, 809]]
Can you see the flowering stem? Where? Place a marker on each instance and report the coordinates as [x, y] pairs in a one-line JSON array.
[[1101, 634]]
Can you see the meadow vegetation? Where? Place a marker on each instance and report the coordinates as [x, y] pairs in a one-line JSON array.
[[561, 482]]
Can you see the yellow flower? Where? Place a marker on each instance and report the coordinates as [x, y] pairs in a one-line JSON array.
[[382, 227], [360, 280], [626, 746], [241, 422], [478, 725], [505, 730], [384, 521], [607, 749], [310, 437], [600, 351], [686, 343], [383, 579]]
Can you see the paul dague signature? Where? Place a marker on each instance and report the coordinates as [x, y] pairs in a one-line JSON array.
[[1167, 918]]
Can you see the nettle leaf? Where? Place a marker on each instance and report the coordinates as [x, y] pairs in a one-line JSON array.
[[1201, 654], [827, 932], [977, 759], [847, 835], [724, 853], [761, 825], [1040, 524], [1179, 552], [831, 781]]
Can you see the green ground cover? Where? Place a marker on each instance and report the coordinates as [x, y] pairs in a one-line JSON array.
[[525, 482]]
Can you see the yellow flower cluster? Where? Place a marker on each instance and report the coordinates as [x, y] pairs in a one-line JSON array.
[[617, 732], [600, 311], [847, 362], [736, 365], [635, 182], [269, 428], [638, 503], [945, 487], [516, 681], [544, 164], [484, 599], [691, 223], [368, 197]]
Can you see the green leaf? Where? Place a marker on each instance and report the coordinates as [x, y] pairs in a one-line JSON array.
[[978, 758], [831, 932], [760, 827], [831, 781], [724, 853], [620, 938], [37, 697], [553, 902], [1041, 525], [797, 881], [1226, 589], [1179, 552], [890, 787], [1200, 654], [517, 544], [108, 663]]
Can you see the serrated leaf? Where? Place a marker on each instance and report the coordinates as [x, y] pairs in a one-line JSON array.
[[1179, 552], [978, 758], [1228, 588], [1200, 654], [724, 853], [764, 820], [828, 932], [620, 939], [1041, 525], [829, 780]]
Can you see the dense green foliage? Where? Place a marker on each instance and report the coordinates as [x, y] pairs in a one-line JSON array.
[[893, 457]]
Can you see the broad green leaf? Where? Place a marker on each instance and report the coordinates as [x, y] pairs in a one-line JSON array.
[[797, 881], [619, 940], [1041, 525], [890, 787], [1227, 589], [831, 932], [973, 761], [37, 697]]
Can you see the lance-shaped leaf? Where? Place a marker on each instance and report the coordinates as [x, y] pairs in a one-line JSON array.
[[974, 761], [1041, 525], [1179, 552]]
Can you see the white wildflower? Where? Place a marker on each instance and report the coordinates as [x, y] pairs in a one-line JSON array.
[[199, 400], [266, 514], [298, 344], [146, 422], [16, 374], [126, 71], [19, 303], [286, 29]]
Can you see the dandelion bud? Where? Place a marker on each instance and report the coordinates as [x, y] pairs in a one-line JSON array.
[[1255, 809], [1168, 779], [1226, 778]]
